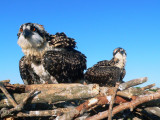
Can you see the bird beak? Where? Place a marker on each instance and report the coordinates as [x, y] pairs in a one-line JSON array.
[[123, 52], [27, 33]]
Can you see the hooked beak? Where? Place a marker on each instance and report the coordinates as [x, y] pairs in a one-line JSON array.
[[123, 52], [27, 33]]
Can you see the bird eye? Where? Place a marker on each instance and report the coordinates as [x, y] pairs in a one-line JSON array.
[[21, 30], [33, 29]]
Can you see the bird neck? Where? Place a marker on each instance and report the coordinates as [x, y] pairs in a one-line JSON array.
[[120, 61], [37, 52]]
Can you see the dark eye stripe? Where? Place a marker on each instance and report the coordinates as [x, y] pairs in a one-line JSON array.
[[38, 31], [120, 50]]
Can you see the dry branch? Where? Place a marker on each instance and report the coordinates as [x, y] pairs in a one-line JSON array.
[[148, 87], [7, 95], [112, 101], [132, 83], [153, 110], [134, 103], [5, 81], [43, 113], [59, 92], [17, 108], [97, 96], [100, 100], [14, 88]]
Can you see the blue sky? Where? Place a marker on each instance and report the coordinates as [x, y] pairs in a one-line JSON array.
[[99, 26]]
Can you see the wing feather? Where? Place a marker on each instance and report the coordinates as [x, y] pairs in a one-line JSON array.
[[65, 65], [60, 40], [26, 72], [106, 75]]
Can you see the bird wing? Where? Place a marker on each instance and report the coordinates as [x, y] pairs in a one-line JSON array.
[[60, 40], [123, 73], [26, 72], [103, 63], [65, 65], [103, 75]]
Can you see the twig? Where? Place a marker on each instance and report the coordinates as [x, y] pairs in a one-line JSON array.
[[141, 113], [134, 103], [112, 101], [134, 91], [5, 81], [101, 100], [58, 92], [43, 113], [133, 82], [7, 95], [148, 87], [125, 94], [18, 108], [21, 105], [153, 110], [15, 88]]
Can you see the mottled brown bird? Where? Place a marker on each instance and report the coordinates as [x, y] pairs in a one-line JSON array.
[[108, 72], [48, 58]]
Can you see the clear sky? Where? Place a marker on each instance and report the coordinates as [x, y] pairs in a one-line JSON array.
[[98, 26]]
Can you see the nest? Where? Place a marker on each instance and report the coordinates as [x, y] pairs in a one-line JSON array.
[[79, 101]]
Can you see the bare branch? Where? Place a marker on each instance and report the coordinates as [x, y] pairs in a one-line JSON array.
[[5, 81], [43, 113], [148, 87], [59, 92], [8, 95], [101, 100], [134, 103], [133, 82], [112, 101], [18, 108]]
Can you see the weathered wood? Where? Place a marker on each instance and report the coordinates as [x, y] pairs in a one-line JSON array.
[[79, 110], [133, 82], [134, 103], [5, 81], [9, 97], [17, 108], [153, 110], [148, 86], [112, 102], [14, 88], [43, 113], [60, 92]]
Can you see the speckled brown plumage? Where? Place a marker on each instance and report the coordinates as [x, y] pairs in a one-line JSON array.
[[26, 72], [60, 40], [107, 72], [66, 65], [48, 58]]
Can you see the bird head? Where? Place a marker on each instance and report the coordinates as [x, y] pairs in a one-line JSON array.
[[120, 55], [31, 35], [120, 51]]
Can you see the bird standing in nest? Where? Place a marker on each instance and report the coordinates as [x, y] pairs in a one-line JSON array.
[[48, 58], [108, 72]]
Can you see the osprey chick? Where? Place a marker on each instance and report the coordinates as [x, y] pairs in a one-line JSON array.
[[48, 58], [108, 72]]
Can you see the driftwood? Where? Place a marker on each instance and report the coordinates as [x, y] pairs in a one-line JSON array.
[[60, 92], [43, 113], [17, 108], [97, 101], [112, 102], [90, 97], [128, 105], [132, 83]]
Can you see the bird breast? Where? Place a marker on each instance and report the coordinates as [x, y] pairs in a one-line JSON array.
[[40, 71]]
